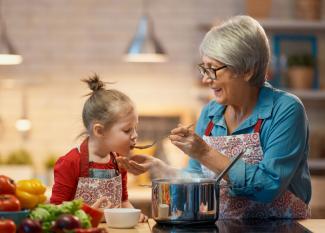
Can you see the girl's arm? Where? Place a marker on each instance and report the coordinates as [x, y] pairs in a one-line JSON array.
[[65, 181]]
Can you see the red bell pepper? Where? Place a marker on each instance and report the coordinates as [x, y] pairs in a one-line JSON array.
[[95, 214]]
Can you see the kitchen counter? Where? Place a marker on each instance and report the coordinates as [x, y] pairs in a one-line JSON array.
[[314, 225], [303, 226]]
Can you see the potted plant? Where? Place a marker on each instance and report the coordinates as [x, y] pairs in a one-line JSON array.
[[301, 71], [49, 164], [18, 165]]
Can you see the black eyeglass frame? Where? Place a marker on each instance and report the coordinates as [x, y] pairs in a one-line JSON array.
[[209, 71]]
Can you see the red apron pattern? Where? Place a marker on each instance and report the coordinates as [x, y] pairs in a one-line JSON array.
[[90, 189], [287, 205]]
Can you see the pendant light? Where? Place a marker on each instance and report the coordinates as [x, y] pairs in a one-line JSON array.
[[145, 46], [23, 124], [8, 54]]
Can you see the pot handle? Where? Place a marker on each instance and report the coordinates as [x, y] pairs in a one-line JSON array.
[[223, 173]]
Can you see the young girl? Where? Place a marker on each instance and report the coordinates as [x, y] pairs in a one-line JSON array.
[[90, 171]]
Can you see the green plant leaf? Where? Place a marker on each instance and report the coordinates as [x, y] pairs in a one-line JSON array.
[[20, 156]]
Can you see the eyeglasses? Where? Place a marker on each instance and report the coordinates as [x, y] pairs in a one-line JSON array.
[[211, 72]]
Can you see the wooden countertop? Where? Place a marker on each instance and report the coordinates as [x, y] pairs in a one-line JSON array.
[[314, 225], [140, 228]]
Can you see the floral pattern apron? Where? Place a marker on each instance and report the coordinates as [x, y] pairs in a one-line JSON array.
[[287, 205], [90, 189]]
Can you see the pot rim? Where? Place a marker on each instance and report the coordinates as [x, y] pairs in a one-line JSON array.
[[184, 181]]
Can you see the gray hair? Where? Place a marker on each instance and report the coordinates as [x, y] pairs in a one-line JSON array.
[[240, 43]]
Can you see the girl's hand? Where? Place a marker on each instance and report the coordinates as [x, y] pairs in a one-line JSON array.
[[136, 164], [102, 201], [189, 142], [143, 218]]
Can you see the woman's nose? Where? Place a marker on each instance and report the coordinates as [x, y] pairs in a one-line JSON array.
[[206, 79]]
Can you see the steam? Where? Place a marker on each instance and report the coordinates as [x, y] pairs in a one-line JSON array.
[[184, 176]]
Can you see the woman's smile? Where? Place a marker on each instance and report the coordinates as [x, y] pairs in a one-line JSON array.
[[217, 91]]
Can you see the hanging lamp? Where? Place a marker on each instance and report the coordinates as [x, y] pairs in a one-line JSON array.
[[23, 124], [8, 54], [145, 46]]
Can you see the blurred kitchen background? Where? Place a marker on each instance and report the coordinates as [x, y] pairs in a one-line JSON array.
[[62, 42]]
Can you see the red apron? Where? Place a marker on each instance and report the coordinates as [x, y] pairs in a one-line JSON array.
[[91, 189], [286, 205]]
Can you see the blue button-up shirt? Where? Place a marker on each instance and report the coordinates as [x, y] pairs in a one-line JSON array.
[[284, 141]]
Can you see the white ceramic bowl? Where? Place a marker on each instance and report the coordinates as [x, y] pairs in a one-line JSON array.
[[122, 217]]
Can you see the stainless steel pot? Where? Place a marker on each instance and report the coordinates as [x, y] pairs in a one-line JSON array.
[[181, 201], [187, 201]]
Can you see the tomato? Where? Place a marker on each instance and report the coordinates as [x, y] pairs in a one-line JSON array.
[[9, 202], [95, 214], [7, 185], [7, 226]]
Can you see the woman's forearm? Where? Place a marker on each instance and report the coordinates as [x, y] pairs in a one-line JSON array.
[[215, 161]]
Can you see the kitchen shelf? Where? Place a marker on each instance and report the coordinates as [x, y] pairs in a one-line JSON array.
[[317, 166], [308, 94], [296, 25], [285, 24]]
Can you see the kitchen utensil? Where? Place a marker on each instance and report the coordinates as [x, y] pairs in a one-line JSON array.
[[145, 146], [187, 200], [145, 185], [154, 142]]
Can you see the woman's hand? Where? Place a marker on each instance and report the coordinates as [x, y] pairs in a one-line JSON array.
[[189, 142], [136, 164], [143, 218]]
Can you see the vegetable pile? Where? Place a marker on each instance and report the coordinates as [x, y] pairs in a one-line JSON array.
[[25, 194], [69, 217]]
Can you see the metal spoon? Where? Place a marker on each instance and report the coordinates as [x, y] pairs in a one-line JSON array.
[[154, 142], [145, 146]]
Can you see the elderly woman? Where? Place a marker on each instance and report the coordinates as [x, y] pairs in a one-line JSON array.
[[249, 116]]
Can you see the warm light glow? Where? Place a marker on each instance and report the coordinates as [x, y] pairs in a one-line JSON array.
[[10, 59], [23, 125], [147, 57]]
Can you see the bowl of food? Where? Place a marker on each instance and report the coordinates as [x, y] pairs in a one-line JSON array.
[[122, 217], [16, 216]]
